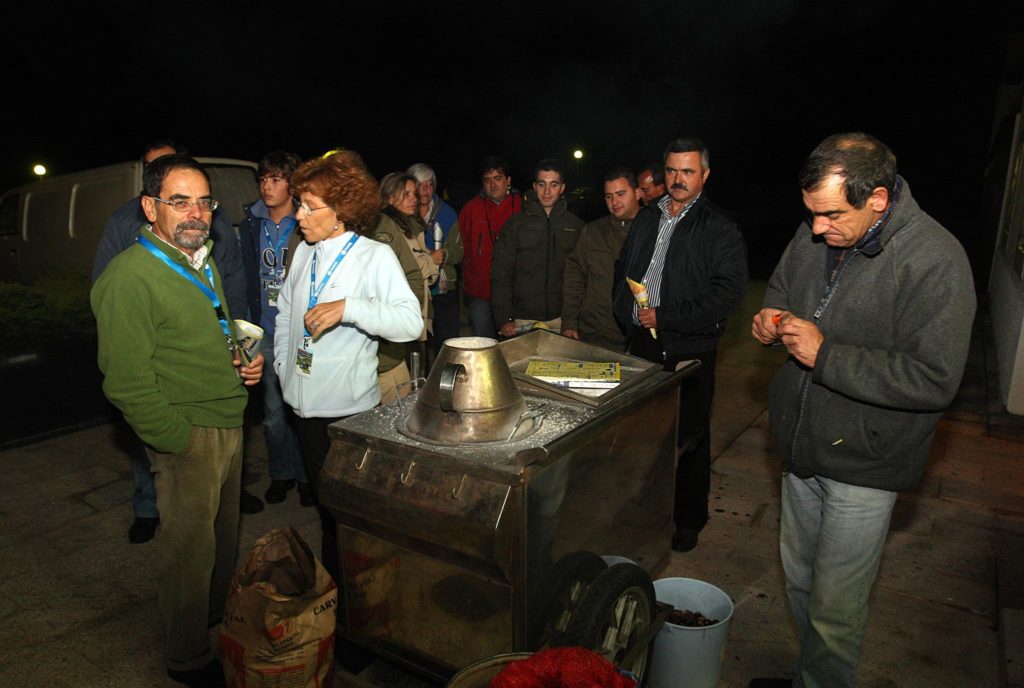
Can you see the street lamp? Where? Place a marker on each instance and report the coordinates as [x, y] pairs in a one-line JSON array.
[[578, 154], [38, 170]]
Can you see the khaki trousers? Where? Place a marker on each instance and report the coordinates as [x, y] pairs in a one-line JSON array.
[[197, 546]]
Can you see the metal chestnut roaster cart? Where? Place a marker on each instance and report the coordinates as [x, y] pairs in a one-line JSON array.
[[473, 514]]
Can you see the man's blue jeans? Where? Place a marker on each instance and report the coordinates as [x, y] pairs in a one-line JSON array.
[[144, 495], [283, 457], [831, 541], [481, 320]]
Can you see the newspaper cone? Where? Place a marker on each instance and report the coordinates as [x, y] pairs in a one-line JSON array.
[[640, 294], [250, 338]]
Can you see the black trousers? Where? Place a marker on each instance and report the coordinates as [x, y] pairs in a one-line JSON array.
[[693, 474], [446, 317], [313, 445]]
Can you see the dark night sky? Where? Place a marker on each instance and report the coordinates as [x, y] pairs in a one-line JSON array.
[[762, 81]]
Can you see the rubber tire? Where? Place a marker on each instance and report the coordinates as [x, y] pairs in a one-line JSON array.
[[551, 595], [594, 613]]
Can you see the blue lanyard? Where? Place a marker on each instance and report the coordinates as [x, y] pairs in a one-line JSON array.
[[282, 237], [207, 290], [314, 289]]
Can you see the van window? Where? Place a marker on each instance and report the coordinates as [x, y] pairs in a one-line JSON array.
[[47, 217], [95, 200], [233, 186], [9, 215]]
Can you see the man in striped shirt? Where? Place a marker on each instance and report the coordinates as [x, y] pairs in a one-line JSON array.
[[693, 262]]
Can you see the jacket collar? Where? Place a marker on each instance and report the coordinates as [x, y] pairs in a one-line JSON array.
[[531, 206], [411, 225], [666, 199], [621, 224], [892, 220], [508, 198], [196, 261]]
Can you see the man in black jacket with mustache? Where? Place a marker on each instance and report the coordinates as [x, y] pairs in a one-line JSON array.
[[693, 261]]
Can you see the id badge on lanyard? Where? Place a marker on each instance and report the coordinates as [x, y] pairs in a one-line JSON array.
[[304, 354], [304, 358], [273, 289], [273, 285]]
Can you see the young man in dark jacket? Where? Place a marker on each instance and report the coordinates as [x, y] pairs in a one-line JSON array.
[[529, 257], [264, 235], [693, 261], [589, 269], [874, 301]]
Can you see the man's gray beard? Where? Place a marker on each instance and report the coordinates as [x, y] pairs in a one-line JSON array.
[[191, 241]]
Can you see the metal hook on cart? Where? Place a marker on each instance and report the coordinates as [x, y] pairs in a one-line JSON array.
[[458, 490], [406, 477], [362, 461]]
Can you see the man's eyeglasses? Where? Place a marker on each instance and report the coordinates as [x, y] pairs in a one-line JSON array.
[[207, 205]]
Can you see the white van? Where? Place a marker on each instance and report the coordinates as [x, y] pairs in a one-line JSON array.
[[55, 224]]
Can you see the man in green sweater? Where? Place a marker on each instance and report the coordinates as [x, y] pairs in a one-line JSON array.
[[166, 349]]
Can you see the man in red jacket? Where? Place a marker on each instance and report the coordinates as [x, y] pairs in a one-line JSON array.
[[480, 222]]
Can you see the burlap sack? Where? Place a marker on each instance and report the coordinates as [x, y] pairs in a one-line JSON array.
[[278, 629]]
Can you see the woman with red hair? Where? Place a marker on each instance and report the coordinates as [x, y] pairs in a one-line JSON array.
[[343, 291]]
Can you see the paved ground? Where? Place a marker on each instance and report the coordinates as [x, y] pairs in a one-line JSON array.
[[78, 602]]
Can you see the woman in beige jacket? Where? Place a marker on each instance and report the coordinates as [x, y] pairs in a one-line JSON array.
[[400, 204]]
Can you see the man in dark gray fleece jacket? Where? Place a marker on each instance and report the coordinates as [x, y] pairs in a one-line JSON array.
[[874, 301]]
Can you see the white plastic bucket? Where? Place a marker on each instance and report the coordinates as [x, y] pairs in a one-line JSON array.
[[613, 559], [684, 656]]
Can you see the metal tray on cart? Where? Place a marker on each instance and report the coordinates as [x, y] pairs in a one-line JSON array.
[[545, 345]]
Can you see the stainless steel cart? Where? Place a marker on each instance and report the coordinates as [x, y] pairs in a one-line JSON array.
[[452, 553]]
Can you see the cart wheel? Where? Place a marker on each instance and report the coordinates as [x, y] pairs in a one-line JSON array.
[[615, 610], [558, 594]]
